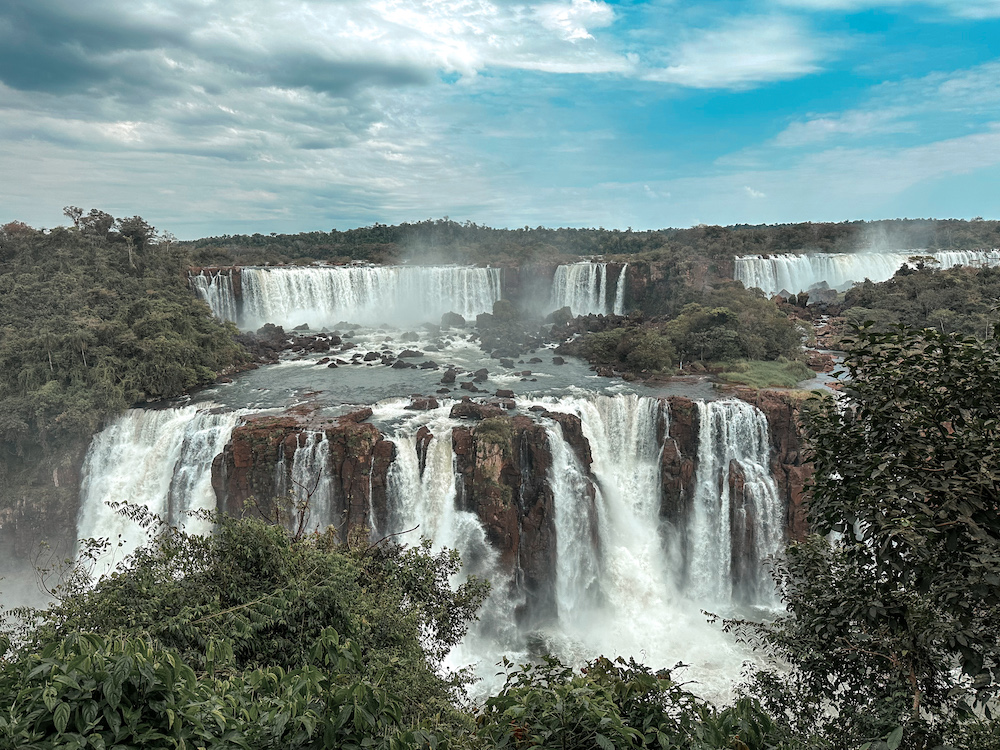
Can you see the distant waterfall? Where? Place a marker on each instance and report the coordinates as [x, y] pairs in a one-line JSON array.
[[619, 308], [325, 295], [798, 273], [216, 289], [308, 483], [158, 459], [583, 287], [733, 444]]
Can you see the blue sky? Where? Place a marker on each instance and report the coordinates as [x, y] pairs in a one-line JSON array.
[[225, 116]]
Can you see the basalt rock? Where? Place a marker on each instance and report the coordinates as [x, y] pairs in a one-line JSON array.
[[789, 467], [503, 465], [247, 475]]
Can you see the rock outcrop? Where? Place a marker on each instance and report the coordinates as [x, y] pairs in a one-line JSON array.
[[789, 467], [255, 467]]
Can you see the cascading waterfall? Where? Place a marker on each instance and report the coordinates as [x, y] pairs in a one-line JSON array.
[[798, 273], [733, 437], [625, 597], [582, 287], [427, 500], [619, 308], [216, 289], [324, 296], [311, 483], [160, 460], [577, 575]]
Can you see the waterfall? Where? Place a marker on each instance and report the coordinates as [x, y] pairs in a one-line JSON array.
[[324, 296], [216, 289], [583, 287], [577, 574], [427, 500], [160, 460], [311, 483], [733, 442], [798, 273], [619, 308]]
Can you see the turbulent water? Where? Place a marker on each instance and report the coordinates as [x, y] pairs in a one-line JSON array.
[[798, 273], [159, 460], [625, 584], [326, 295]]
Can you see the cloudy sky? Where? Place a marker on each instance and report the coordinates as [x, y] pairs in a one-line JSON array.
[[224, 116]]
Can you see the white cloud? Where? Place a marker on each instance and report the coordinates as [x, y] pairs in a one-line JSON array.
[[903, 107], [753, 193], [573, 21], [743, 52], [853, 124], [971, 9]]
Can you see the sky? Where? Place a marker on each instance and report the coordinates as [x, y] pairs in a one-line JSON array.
[[211, 117]]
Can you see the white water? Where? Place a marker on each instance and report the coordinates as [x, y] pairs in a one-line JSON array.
[[733, 431], [798, 273], [160, 460], [309, 484], [619, 308], [583, 287], [217, 291], [324, 296], [427, 501], [619, 588]]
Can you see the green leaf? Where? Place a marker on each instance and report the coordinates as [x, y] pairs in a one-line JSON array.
[[60, 717], [895, 738]]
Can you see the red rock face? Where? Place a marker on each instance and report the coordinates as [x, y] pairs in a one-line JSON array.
[[244, 475], [788, 465]]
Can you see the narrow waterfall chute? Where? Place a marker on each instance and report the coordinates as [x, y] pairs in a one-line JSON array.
[[216, 289], [619, 307], [727, 531]]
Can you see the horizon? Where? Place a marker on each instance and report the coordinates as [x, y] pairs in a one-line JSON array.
[[243, 118]]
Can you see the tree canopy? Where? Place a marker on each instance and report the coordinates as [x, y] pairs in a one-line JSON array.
[[894, 604]]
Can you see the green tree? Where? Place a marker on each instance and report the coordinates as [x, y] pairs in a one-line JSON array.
[[893, 632]]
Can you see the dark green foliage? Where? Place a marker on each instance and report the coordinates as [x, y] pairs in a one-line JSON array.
[[727, 324], [262, 598], [95, 320], [89, 690], [955, 300], [614, 704], [895, 625], [445, 240]]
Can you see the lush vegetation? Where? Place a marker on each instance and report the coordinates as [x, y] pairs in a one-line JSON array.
[[728, 326], [253, 638], [955, 300], [893, 632], [96, 318], [447, 240]]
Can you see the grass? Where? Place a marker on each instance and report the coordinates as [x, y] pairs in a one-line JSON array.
[[780, 373]]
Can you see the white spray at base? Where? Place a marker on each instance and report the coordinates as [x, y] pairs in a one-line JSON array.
[[160, 460], [426, 501]]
